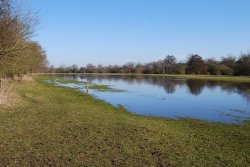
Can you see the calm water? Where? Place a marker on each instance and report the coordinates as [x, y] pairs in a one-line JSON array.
[[216, 101]]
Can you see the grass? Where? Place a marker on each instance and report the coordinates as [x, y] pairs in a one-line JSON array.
[[59, 126], [7, 96], [68, 81], [104, 88], [214, 77]]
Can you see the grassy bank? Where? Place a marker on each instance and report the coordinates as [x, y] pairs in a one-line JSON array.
[[59, 126], [214, 77]]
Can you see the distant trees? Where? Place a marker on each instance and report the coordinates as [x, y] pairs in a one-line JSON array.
[[242, 66], [139, 68], [195, 64], [74, 69], [181, 68], [90, 68], [213, 66], [228, 65], [129, 67], [169, 64], [18, 54]]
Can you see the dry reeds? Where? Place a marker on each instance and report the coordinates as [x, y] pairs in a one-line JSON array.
[[6, 93]]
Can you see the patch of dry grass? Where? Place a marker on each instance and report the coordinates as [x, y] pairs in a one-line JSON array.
[[22, 78], [7, 94]]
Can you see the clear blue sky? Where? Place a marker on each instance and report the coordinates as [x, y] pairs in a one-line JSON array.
[[119, 31]]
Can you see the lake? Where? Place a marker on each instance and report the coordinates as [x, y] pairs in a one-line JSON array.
[[216, 101]]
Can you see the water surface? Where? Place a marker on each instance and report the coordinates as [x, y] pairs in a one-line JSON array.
[[217, 101]]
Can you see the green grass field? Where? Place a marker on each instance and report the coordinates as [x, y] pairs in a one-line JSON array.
[[214, 77], [59, 126]]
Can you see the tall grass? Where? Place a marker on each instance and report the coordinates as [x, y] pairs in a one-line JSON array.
[[6, 92]]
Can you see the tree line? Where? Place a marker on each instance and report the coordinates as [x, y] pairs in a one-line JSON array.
[[18, 53], [194, 64]]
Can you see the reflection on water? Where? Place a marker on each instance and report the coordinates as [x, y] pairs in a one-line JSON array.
[[175, 98]]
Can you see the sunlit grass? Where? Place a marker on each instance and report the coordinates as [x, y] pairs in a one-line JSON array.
[[214, 77], [59, 126]]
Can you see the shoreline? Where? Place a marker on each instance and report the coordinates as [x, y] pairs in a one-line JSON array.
[[245, 79]]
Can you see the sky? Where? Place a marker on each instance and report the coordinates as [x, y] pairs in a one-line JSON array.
[[120, 31]]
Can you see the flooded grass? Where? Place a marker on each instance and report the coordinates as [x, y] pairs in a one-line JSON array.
[[77, 84], [105, 88], [59, 126]]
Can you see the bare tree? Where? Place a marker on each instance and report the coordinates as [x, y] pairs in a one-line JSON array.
[[169, 64], [16, 28]]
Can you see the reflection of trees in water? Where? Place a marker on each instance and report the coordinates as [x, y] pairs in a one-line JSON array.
[[169, 84], [195, 86], [244, 90], [246, 96], [68, 77], [74, 77]]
